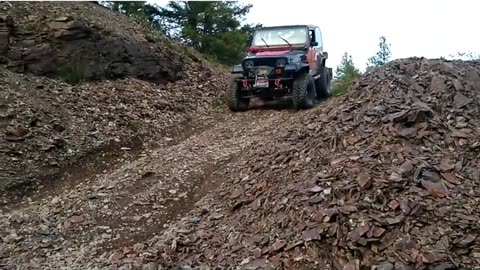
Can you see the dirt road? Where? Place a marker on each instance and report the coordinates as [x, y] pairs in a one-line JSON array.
[[72, 224]]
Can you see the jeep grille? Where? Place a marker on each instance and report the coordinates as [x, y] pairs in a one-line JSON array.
[[271, 62]]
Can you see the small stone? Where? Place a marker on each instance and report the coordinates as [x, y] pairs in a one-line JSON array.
[[437, 189], [77, 219], [384, 266], [363, 180], [55, 200], [279, 244], [150, 266], [315, 189]]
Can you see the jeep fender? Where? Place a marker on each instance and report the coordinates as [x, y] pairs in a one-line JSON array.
[[324, 58], [297, 68], [302, 67]]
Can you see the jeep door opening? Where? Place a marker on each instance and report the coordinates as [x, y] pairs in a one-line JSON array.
[[282, 61]]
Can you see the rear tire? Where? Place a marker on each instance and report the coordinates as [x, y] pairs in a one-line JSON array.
[[324, 87], [233, 96], [304, 92]]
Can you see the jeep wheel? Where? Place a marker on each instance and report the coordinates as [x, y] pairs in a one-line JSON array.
[[304, 92], [234, 100], [324, 90]]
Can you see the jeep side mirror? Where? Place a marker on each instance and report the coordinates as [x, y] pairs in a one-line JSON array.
[[313, 43], [325, 55]]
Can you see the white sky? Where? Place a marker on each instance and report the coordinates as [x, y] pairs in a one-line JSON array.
[[426, 28], [413, 27]]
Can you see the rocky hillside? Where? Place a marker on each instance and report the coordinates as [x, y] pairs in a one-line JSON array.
[[385, 176], [78, 80]]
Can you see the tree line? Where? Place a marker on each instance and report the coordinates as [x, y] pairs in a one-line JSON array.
[[347, 72]]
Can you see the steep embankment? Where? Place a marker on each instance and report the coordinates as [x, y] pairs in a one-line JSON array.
[[385, 176], [49, 126]]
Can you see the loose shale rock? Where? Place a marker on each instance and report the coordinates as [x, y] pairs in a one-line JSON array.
[[386, 176]]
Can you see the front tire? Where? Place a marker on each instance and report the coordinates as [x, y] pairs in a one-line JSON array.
[[304, 92], [324, 87], [233, 96]]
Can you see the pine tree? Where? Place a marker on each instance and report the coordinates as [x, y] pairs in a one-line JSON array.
[[345, 74], [382, 56], [139, 10], [213, 28]]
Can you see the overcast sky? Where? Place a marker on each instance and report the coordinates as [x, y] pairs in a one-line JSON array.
[[413, 27], [426, 28]]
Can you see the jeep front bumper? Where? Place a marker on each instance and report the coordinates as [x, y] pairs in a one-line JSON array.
[[275, 83]]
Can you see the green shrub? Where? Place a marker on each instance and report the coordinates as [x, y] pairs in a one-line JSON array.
[[73, 71]]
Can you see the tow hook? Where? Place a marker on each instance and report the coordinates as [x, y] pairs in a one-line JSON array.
[[245, 83], [277, 83]]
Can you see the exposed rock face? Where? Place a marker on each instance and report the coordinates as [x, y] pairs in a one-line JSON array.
[[66, 28], [71, 48]]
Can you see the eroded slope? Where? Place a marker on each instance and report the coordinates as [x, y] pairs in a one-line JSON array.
[[49, 127]]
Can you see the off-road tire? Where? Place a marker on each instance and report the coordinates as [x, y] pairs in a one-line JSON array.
[[234, 101], [303, 92], [324, 86]]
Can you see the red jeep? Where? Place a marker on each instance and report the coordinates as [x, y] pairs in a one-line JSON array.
[[282, 61]]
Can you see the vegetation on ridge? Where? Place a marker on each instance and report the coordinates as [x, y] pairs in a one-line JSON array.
[[213, 28]]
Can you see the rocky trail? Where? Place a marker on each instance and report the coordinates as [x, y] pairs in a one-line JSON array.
[[130, 203], [140, 165]]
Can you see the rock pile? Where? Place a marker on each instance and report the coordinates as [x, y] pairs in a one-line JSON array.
[[386, 177]]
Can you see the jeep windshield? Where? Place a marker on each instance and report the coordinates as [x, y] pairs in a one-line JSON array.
[[274, 36]]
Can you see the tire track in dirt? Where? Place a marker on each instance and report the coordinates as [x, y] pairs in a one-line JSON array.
[[105, 159], [132, 202]]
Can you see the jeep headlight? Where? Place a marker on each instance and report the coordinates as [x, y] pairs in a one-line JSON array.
[[248, 63], [281, 62]]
